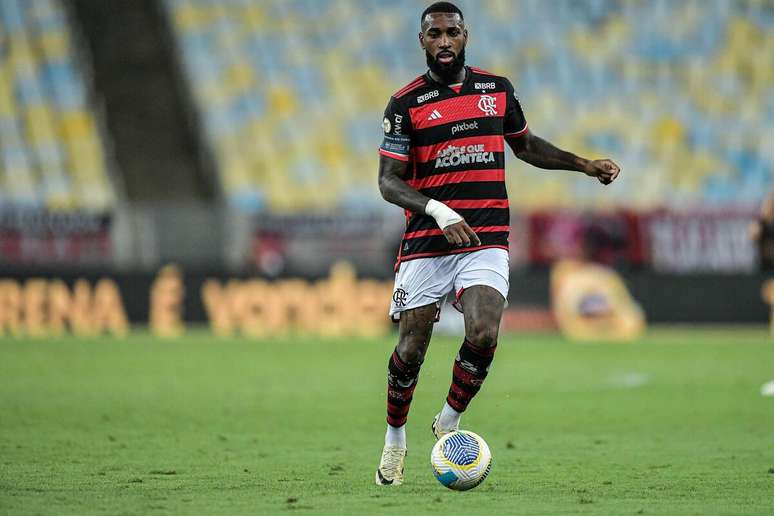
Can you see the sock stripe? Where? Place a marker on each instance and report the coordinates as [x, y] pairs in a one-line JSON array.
[[467, 380], [481, 352], [399, 401], [398, 407], [397, 416], [463, 374], [471, 390], [462, 393], [456, 405], [397, 361]]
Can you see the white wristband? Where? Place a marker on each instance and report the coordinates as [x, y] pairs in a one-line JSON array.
[[443, 215]]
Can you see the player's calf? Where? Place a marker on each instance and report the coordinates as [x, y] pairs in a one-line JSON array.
[[471, 367], [401, 381]]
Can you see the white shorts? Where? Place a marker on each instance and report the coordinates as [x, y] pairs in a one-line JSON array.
[[425, 281]]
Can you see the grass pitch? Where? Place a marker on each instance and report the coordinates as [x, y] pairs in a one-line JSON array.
[[671, 424]]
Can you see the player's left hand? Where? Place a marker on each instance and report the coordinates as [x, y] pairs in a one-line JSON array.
[[605, 170]]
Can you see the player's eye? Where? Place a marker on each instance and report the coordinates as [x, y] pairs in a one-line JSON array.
[[453, 33]]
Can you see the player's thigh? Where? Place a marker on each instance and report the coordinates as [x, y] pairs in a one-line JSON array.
[[482, 307], [481, 280], [415, 329]]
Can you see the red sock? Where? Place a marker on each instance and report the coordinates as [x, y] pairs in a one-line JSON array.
[[401, 381], [470, 369]]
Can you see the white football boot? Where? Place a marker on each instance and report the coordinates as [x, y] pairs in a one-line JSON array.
[[439, 432], [390, 471]]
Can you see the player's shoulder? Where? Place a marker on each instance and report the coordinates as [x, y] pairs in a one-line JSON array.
[[415, 85], [485, 80]]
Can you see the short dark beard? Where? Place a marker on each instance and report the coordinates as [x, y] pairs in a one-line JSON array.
[[447, 72]]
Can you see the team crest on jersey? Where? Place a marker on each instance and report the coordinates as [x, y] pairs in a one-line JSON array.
[[386, 126], [488, 105]]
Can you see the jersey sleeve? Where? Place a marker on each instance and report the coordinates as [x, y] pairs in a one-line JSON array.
[[515, 124], [397, 132]]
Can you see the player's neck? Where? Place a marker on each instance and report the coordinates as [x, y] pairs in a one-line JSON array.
[[457, 79]]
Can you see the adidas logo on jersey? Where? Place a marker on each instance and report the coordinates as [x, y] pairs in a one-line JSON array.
[[435, 115]]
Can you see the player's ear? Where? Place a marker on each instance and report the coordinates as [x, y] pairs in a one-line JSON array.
[[465, 35], [422, 40]]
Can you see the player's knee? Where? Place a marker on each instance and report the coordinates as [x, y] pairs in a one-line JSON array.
[[483, 335], [411, 350]]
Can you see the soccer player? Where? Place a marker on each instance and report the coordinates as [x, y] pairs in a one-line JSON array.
[[443, 161]]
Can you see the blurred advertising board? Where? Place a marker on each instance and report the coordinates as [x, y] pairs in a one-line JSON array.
[[309, 244], [669, 241], [610, 238], [30, 237], [701, 241], [91, 305], [172, 301]]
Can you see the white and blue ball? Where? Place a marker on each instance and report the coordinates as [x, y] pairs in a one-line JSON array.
[[461, 460]]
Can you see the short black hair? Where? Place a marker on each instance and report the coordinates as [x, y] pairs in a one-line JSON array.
[[441, 7]]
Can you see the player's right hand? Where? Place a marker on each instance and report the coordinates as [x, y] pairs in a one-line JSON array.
[[605, 170], [460, 235]]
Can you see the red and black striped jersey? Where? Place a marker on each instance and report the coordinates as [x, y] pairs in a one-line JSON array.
[[453, 140]]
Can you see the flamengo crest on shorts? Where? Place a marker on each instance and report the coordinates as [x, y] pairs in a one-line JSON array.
[[454, 145]]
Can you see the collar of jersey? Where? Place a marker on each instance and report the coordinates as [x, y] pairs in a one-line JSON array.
[[468, 75]]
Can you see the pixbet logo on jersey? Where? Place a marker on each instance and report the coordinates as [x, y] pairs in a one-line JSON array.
[[452, 156], [464, 126], [488, 105]]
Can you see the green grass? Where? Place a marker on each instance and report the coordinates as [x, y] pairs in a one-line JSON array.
[[671, 424]]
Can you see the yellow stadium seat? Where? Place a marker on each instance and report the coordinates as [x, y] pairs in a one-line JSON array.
[[39, 123], [55, 45], [61, 202], [188, 16], [239, 78], [282, 101], [7, 100], [75, 125], [255, 17]]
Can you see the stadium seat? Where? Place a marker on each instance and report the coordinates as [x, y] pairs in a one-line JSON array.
[[620, 78], [51, 154]]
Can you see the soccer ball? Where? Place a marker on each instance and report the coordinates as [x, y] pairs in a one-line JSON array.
[[461, 460]]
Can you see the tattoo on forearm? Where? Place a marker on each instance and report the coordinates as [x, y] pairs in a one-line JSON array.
[[395, 190]]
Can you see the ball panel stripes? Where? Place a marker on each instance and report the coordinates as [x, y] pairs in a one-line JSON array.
[[461, 449], [483, 475]]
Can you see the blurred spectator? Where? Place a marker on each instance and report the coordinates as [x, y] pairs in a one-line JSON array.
[[605, 239], [762, 232]]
